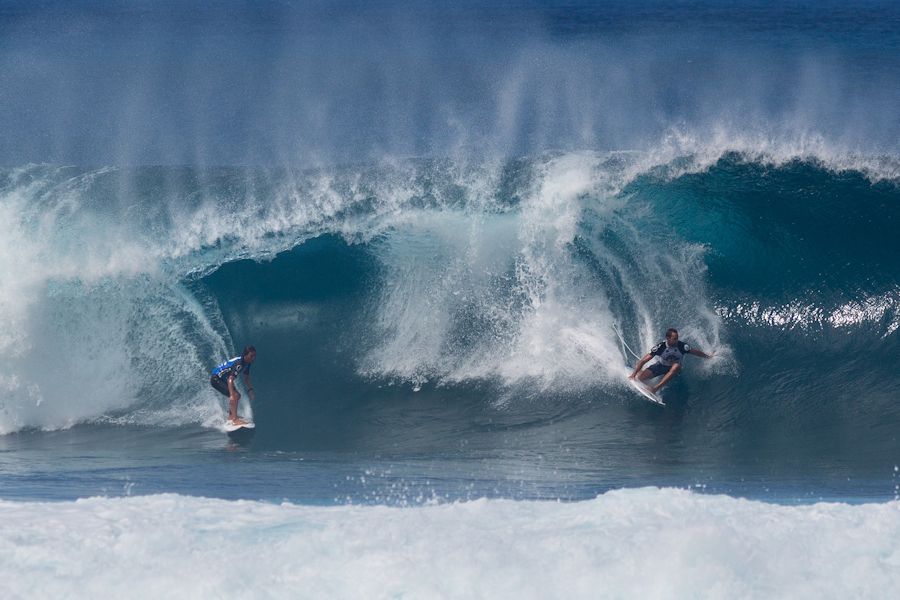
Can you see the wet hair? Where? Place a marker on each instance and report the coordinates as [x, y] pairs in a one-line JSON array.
[[670, 331], [248, 350]]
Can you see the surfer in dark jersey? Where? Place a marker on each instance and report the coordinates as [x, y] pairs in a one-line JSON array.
[[222, 378], [670, 353]]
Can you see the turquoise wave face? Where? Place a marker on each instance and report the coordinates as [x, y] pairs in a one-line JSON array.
[[784, 233]]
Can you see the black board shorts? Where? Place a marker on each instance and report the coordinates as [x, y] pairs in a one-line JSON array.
[[657, 369], [220, 384]]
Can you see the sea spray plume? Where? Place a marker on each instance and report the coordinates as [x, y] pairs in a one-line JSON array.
[[314, 84], [521, 280]]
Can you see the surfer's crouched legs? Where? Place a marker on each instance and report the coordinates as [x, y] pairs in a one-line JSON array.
[[672, 372], [234, 398], [654, 370], [228, 389]]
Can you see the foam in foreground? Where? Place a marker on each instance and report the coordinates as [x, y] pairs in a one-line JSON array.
[[628, 543]]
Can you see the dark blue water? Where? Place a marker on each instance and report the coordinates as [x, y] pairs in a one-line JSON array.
[[447, 230]]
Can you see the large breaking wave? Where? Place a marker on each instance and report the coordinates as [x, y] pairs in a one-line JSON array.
[[519, 287]]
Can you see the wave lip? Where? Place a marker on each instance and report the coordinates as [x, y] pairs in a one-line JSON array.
[[680, 151], [727, 547]]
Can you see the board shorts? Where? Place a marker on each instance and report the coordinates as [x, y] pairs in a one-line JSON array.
[[657, 369], [221, 385]]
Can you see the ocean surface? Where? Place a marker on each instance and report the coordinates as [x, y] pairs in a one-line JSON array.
[[449, 229]]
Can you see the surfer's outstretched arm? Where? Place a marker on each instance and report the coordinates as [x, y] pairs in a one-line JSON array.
[[640, 365], [697, 352]]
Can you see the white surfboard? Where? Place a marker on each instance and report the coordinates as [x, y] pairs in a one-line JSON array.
[[232, 427], [645, 392]]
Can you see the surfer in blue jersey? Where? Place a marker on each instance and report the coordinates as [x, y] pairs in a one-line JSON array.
[[223, 379], [670, 353]]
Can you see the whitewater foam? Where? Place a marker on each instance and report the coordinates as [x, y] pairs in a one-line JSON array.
[[629, 543]]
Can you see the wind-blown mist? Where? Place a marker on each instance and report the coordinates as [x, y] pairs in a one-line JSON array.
[[314, 82]]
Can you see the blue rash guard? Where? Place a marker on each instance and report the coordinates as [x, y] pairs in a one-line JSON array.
[[230, 368]]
